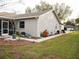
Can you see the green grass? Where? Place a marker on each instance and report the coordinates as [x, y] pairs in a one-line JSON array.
[[63, 47]]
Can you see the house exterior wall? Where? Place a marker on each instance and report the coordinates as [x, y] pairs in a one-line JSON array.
[[48, 21], [62, 27], [70, 29], [30, 27], [36, 26]]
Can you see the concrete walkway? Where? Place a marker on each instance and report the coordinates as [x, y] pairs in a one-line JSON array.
[[43, 39]]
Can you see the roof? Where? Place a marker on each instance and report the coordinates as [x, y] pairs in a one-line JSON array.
[[6, 14], [20, 16], [27, 15], [69, 26], [36, 14]]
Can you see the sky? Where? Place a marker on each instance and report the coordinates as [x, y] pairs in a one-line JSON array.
[[20, 5]]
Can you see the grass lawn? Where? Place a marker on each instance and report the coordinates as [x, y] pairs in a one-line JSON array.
[[63, 47]]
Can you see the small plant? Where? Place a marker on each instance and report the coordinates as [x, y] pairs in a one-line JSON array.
[[18, 35]]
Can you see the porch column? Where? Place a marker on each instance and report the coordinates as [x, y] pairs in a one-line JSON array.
[[14, 27], [14, 30], [11, 27]]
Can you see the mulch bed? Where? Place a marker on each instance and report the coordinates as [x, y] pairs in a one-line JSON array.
[[15, 42]]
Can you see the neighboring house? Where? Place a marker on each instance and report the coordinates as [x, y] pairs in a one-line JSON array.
[[33, 23], [69, 27]]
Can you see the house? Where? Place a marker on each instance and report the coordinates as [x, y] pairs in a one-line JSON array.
[[33, 23], [69, 27]]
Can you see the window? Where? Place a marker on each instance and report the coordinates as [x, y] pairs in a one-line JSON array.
[[22, 24]]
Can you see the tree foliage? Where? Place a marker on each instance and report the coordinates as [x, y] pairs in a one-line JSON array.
[[28, 10], [77, 20], [43, 6], [70, 23], [62, 10]]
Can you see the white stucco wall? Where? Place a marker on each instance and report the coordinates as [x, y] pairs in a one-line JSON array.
[[48, 21], [30, 27]]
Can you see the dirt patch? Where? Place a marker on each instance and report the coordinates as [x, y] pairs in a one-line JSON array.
[[15, 42]]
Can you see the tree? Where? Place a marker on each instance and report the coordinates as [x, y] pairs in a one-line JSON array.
[[28, 10], [43, 6], [70, 23], [62, 10]]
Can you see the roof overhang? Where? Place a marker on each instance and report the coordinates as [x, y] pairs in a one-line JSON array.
[[22, 18]]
